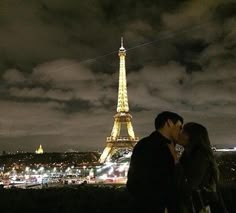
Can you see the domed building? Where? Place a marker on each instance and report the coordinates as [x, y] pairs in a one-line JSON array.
[[39, 150]]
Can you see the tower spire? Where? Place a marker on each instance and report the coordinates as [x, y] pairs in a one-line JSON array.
[[122, 104], [122, 42]]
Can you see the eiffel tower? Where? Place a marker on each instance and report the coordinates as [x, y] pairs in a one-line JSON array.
[[122, 134]]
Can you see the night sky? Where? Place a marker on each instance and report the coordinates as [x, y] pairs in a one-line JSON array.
[[59, 69]]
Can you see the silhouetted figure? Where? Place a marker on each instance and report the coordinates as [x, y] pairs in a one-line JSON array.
[[151, 172], [198, 173]]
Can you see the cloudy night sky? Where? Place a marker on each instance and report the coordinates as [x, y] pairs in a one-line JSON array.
[[59, 69]]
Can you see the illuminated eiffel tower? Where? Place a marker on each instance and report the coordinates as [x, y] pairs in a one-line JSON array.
[[122, 134]]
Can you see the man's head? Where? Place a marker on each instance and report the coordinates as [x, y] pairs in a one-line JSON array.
[[169, 124]]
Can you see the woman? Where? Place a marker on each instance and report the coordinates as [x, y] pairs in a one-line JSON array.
[[197, 172]]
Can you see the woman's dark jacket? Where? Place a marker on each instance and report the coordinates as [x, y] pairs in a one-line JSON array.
[[196, 169], [196, 179]]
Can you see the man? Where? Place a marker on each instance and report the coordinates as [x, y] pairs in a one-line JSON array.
[[151, 172]]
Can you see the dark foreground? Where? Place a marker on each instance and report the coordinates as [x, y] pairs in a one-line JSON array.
[[82, 199]]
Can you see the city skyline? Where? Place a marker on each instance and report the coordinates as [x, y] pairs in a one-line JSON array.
[[59, 68]]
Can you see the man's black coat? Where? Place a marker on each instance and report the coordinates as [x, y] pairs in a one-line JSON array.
[[151, 171]]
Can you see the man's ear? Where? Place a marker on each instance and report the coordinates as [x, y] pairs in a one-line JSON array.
[[169, 123]]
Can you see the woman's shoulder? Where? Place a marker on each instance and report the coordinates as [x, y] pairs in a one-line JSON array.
[[200, 152], [197, 157]]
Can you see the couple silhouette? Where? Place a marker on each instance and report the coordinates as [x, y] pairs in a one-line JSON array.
[[160, 180]]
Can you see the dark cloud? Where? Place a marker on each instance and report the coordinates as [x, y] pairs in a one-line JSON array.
[[48, 30]]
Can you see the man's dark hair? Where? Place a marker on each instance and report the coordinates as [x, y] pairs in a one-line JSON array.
[[166, 115]]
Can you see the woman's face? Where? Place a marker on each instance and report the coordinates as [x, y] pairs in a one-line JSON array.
[[183, 138]]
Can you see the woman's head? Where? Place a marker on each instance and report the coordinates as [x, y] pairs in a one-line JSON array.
[[194, 135]]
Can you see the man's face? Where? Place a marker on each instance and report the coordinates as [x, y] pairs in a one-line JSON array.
[[175, 130], [183, 138]]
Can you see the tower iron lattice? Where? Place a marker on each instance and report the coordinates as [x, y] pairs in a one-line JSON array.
[[122, 135]]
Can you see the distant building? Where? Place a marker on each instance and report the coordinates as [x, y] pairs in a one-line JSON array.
[[39, 150], [226, 150]]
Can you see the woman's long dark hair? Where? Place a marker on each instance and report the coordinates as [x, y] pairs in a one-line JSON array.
[[199, 139]]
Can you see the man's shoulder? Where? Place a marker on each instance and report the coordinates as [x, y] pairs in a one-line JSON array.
[[144, 141], [150, 141], [140, 144]]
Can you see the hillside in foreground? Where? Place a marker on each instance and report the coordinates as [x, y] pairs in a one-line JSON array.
[[88, 198]]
